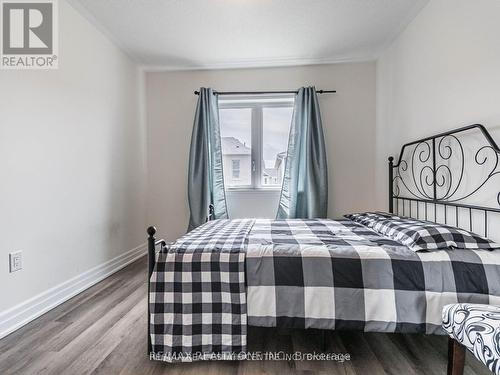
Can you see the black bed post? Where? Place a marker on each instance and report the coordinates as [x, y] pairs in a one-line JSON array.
[[391, 177], [151, 264], [211, 212]]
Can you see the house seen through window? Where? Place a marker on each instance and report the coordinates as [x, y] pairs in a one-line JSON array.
[[236, 169], [254, 136]]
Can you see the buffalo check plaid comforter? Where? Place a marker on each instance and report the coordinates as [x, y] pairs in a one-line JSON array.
[[316, 273]]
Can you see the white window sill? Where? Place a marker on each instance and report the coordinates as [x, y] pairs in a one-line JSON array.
[[253, 190]]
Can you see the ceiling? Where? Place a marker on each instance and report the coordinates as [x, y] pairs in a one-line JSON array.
[[192, 34]]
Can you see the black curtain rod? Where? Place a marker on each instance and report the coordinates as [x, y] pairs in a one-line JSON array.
[[265, 92]]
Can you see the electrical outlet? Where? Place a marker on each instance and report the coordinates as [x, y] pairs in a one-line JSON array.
[[15, 261]]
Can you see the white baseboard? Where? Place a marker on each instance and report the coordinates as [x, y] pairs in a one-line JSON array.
[[23, 313]]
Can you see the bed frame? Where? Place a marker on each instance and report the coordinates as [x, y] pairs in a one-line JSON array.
[[429, 177]]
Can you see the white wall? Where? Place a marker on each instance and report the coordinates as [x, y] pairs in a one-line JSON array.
[[72, 162], [262, 204], [348, 120], [442, 72]]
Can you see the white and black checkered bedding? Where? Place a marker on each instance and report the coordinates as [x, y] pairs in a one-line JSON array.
[[308, 274], [197, 295], [422, 235]]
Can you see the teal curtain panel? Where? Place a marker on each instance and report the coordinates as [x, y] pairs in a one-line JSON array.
[[304, 193], [206, 176]]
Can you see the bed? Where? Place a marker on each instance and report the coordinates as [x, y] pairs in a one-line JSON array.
[[356, 273]]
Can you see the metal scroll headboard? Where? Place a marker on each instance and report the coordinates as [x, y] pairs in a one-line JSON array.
[[446, 176]]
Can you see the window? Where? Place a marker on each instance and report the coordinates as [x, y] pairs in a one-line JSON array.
[[236, 140], [254, 136], [276, 126]]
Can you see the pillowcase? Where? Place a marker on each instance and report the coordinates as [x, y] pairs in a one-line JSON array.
[[369, 219], [422, 235]]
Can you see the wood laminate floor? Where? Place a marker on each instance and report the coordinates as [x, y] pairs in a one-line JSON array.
[[103, 331]]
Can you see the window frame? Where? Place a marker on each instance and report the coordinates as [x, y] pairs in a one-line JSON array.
[[257, 105]]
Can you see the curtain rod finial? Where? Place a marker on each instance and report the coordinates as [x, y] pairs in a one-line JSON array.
[[197, 93]]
